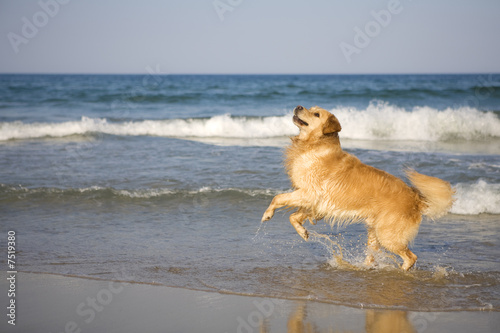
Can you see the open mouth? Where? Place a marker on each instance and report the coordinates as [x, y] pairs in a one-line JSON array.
[[299, 121]]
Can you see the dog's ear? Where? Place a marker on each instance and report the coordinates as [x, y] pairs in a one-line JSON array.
[[331, 125]]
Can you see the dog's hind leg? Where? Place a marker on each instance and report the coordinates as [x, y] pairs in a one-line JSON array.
[[409, 258], [297, 219], [395, 234], [372, 245]]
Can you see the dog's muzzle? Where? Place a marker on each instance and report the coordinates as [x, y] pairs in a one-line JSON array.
[[296, 118]]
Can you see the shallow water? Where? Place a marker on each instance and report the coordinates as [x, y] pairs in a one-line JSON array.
[[102, 176]]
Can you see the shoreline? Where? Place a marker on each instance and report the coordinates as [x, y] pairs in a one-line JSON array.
[[59, 303], [211, 289]]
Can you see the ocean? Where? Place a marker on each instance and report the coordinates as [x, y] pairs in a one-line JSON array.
[[163, 179]]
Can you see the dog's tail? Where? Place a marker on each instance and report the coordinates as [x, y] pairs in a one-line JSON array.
[[437, 194]]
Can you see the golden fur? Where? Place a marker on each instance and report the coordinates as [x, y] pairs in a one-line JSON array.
[[332, 184]]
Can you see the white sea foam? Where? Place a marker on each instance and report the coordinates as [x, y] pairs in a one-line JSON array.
[[223, 126], [379, 121], [477, 198]]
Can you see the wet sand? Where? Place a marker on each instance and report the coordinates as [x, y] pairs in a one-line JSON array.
[[54, 303]]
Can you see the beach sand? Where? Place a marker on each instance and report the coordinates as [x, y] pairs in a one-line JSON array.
[[55, 303]]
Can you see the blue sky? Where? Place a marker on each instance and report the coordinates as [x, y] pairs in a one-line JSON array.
[[249, 36]]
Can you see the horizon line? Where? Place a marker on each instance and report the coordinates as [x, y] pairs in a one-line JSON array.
[[248, 74]]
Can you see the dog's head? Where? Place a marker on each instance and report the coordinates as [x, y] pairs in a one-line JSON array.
[[315, 122]]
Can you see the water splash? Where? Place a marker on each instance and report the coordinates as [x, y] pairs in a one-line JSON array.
[[335, 250], [337, 254], [254, 238]]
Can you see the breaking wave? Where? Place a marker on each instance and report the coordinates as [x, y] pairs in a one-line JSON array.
[[8, 192], [471, 199], [379, 121]]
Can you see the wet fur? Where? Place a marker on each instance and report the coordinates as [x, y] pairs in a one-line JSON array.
[[332, 184]]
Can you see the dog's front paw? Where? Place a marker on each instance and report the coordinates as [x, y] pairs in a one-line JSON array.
[[267, 216], [304, 234]]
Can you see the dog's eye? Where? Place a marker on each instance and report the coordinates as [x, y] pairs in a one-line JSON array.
[[316, 115]]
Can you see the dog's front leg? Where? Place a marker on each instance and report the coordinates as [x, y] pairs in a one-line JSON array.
[[292, 199], [297, 219]]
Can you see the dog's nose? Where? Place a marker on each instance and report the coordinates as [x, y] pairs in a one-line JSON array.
[[299, 107]]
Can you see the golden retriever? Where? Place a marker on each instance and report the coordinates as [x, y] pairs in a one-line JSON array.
[[330, 183]]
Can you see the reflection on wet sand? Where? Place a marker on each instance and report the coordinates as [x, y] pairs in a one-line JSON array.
[[297, 320], [377, 321], [388, 321]]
